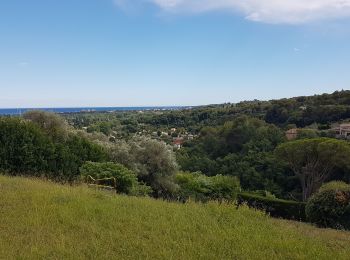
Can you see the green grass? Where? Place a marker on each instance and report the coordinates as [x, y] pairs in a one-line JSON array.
[[42, 220]]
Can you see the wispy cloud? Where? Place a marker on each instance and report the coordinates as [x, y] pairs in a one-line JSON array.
[[23, 64], [268, 11]]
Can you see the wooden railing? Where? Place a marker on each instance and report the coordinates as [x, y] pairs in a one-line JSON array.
[[98, 183]]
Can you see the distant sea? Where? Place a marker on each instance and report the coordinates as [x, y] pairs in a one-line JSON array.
[[19, 111]]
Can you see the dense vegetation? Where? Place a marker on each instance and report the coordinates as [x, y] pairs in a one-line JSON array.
[[223, 152], [233, 139], [300, 111], [26, 149], [41, 220]]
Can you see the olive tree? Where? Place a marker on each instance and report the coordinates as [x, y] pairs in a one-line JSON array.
[[153, 161], [54, 125]]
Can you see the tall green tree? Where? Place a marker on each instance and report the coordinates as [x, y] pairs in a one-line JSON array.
[[314, 160]]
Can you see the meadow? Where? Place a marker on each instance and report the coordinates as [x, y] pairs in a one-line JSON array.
[[44, 220]]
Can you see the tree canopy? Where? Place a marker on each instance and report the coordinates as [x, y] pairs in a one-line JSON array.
[[314, 160]]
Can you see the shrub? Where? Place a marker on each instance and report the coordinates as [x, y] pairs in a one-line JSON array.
[[73, 153], [203, 188], [330, 207], [126, 180], [287, 209], [24, 148], [27, 149], [223, 187]]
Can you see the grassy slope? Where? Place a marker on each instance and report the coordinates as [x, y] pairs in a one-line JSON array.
[[44, 220]]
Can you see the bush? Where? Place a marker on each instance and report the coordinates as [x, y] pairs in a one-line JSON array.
[[126, 180], [203, 188], [330, 207], [24, 148], [27, 149], [287, 209], [73, 153]]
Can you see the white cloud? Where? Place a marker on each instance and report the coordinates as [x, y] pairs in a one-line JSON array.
[[268, 11]]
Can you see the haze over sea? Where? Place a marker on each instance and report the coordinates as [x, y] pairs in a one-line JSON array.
[[19, 111]]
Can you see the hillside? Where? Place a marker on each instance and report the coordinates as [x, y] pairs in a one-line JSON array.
[[50, 221]]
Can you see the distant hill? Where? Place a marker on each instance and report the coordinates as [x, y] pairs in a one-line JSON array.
[[41, 220], [298, 111]]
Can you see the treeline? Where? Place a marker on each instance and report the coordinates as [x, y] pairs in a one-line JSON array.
[[298, 112], [303, 111]]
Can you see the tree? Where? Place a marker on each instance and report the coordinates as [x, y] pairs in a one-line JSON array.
[[153, 161], [314, 160], [55, 126], [155, 164]]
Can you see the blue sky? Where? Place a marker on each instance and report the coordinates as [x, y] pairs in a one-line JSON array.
[[63, 53]]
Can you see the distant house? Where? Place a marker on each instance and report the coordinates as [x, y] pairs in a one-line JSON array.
[[342, 131], [292, 134], [178, 142]]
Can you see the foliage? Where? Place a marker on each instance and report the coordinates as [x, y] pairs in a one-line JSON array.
[[230, 139], [334, 185], [241, 148], [126, 180], [202, 188], [275, 207], [330, 207], [73, 153], [314, 160], [235, 140], [27, 150], [300, 111], [307, 134], [153, 161], [303, 111], [24, 148], [52, 124]]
